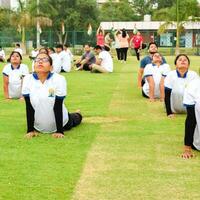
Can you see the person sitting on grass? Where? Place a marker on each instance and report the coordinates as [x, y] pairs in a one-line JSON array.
[[86, 60], [191, 100], [104, 63], [155, 74], [175, 84], [13, 74], [44, 94]]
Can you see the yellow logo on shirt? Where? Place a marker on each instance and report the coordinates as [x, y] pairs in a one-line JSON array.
[[51, 92]]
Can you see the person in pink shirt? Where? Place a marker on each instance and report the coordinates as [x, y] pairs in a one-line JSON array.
[[136, 43], [100, 37], [124, 44]]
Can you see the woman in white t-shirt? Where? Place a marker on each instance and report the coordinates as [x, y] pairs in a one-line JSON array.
[[44, 94], [155, 74], [191, 100], [175, 84], [13, 74]]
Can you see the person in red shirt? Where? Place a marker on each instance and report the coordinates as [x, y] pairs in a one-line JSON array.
[[100, 37], [136, 43]]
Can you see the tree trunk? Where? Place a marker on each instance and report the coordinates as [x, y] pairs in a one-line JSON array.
[[59, 37], [65, 38], [177, 40], [23, 45]]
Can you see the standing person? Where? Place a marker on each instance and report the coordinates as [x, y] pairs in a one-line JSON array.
[[104, 63], [191, 100], [136, 43], [100, 36], [117, 44], [124, 44], [18, 48], [155, 74], [13, 74], [175, 84], [44, 94], [2, 54], [108, 41], [152, 48]]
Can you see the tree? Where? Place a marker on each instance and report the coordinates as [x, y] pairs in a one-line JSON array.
[[164, 3], [69, 15], [117, 11], [177, 15], [4, 18], [143, 7], [25, 17]]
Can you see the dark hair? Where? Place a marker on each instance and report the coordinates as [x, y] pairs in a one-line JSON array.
[[66, 45], [182, 54], [87, 45], [52, 49], [106, 48], [123, 33], [17, 44], [157, 53], [60, 46], [45, 49], [16, 53], [98, 47], [151, 44], [49, 57]]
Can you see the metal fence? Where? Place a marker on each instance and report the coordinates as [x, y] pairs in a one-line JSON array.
[[76, 39]]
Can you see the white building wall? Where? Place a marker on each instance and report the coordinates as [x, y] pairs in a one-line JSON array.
[[188, 39]]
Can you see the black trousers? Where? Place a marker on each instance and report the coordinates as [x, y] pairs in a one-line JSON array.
[[118, 53], [85, 66], [123, 53], [137, 53], [74, 120]]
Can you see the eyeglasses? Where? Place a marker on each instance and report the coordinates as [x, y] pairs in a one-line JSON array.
[[42, 59]]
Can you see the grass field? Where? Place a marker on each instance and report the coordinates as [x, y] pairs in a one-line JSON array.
[[125, 149]]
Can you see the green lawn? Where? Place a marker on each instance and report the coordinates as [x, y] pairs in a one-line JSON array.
[[126, 148]]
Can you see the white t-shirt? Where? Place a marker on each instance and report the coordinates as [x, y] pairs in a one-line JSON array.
[[19, 50], [70, 54], [57, 62], [2, 54], [156, 72], [177, 85], [107, 61], [191, 98], [42, 97], [65, 61], [15, 77]]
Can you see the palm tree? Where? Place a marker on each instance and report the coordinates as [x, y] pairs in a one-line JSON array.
[[24, 18], [180, 13]]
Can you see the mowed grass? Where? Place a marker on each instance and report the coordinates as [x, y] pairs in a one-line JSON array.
[[126, 148]]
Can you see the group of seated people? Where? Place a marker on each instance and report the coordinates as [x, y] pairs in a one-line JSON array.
[[178, 89], [88, 61]]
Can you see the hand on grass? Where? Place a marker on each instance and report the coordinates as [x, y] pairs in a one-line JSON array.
[[187, 153], [31, 134], [151, 99], [58, 135], [171, 116]]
